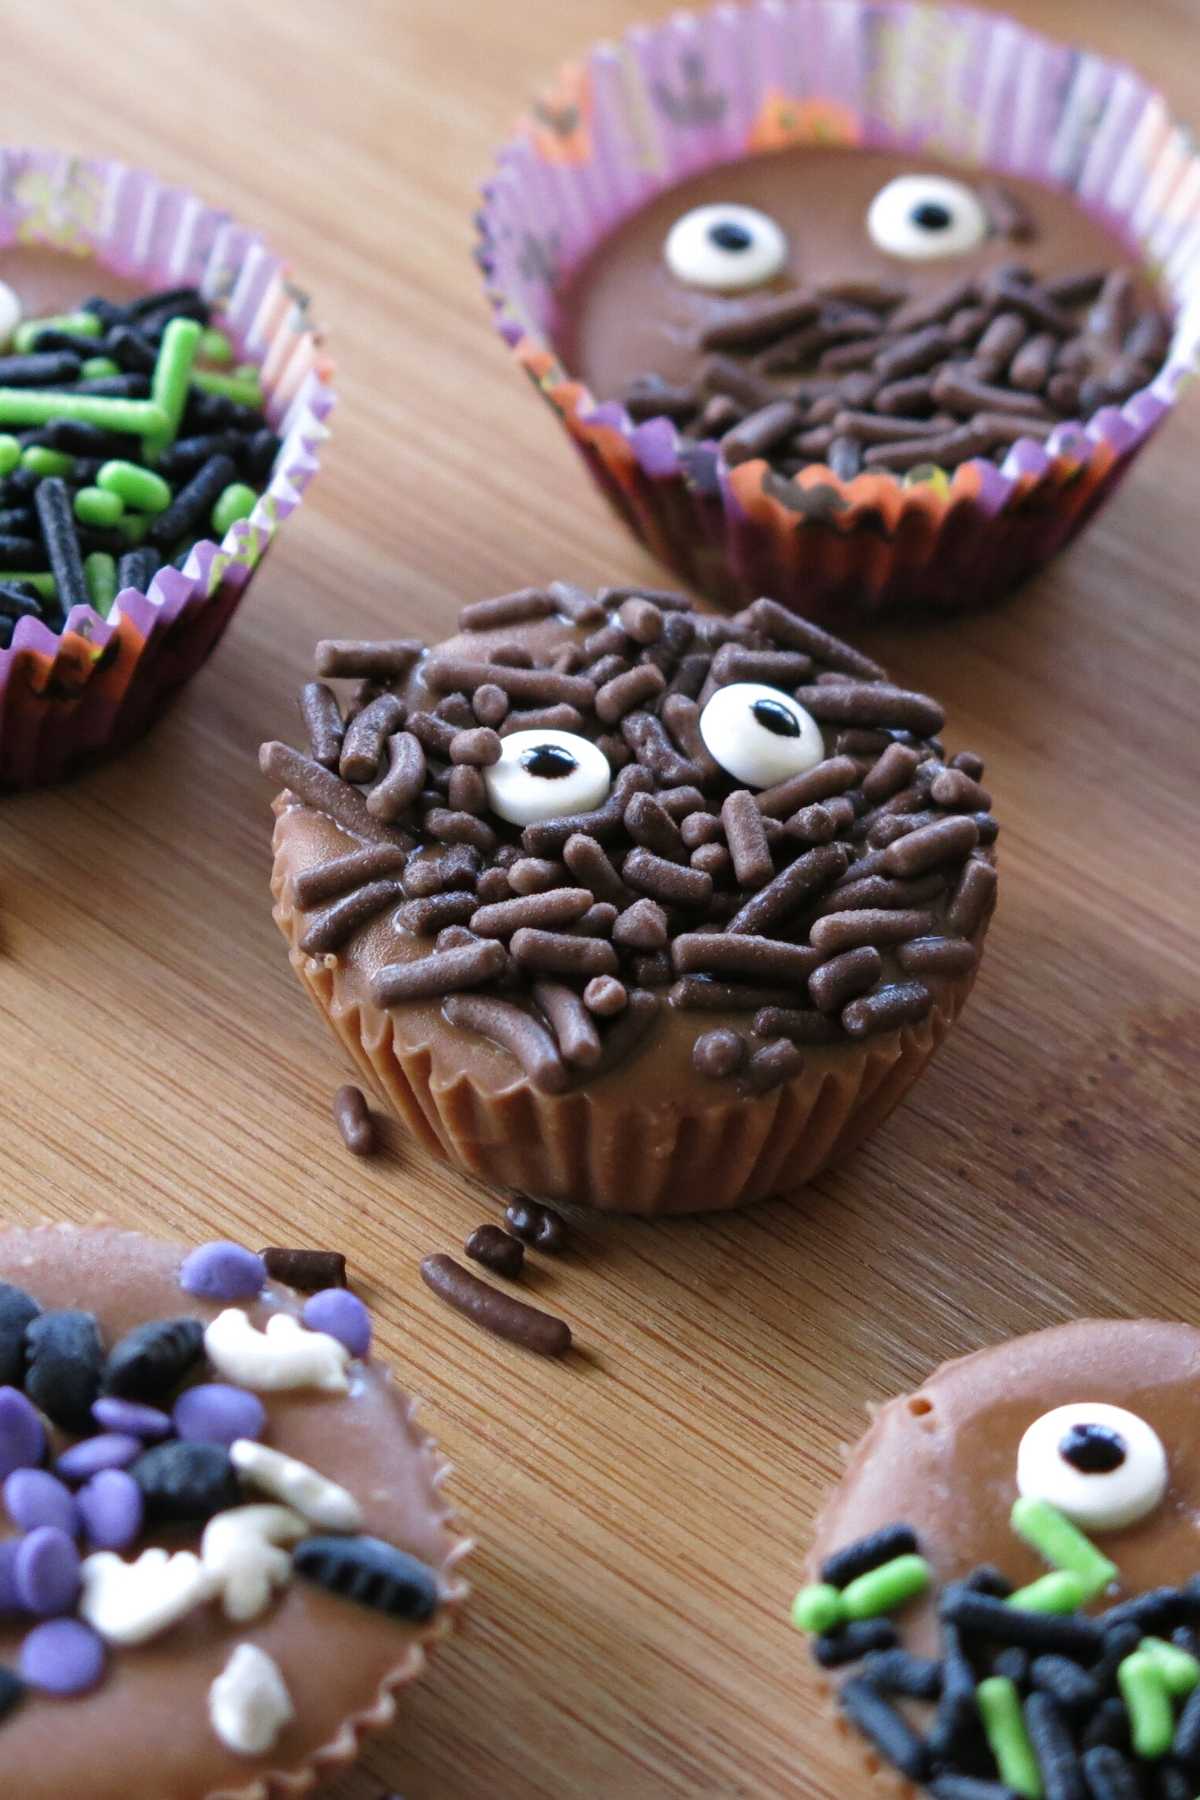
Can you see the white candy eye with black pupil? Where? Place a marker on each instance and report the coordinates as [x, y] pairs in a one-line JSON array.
[[1102, 1466], [725, 248], [759, 734], [546, 775], [924, 217]]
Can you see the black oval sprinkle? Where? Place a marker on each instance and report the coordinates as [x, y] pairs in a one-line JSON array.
[[373, 1573], [549, 761], [66, 1357], [17, 1311], [777, 718], [12, 1689], [1093, 1449], [186, 1481], [152, 1359]]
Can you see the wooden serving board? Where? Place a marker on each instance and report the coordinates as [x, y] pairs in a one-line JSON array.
[[642, 1509]]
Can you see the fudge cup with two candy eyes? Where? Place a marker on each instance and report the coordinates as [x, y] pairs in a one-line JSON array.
[[864, 307], [1002, 1591], [619, 903], [162, 402]]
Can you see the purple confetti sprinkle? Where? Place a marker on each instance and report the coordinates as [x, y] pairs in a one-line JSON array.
[[33, 1497], [223, 1271], [341, 1315], [216, 1413], [47, 1572], [111, 1507], [63, 1657], [22, 1434], [130, 1416], [111, 1450]]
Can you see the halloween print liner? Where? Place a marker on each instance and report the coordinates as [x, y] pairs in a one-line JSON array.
[[69, 698], [642, 115]]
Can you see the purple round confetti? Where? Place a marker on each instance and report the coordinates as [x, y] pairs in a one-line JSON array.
[[111, 1450], [47, 1571], [22, 1434], [216, 1413], [9, 1599], [111, 1508], [35, 1498], [131, 1417], [63, 1657], [341, 1315], [223, 1271]]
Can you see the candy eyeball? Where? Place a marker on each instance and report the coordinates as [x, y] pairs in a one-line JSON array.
[[759, 734], [1102, 1466], [726, 248], [546, 775], [923, 217]]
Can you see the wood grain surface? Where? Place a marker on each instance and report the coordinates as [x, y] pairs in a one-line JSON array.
[[643, 1508]]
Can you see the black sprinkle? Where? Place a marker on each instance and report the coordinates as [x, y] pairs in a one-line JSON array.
[[1065, 1682], [968, 1787], [17, 1310], [1110, 1776], [176, 303], [38, 370], [836, 1648], [371, 1572], [988, 1580], [56, 516], [957, 1715], [868, 1553], [1187, 1730], [1174, 1783], [1058, 1762], [192, 503], [12, 1689], [181, 1481], [885, 1727], [1155, 1612], [137, 568], [1070, 1634], [1121, 1641], [1108, 1725], [65, 1360], [149, 1363], [1013, 1664], [899, 1672], [21, 553]]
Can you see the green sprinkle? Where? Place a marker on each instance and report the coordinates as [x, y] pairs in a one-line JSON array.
[[133, 526], [38, 580], [236, 502], [79, 324], [27, 406], [97, 367], [101, 573], [1061, 1543], [215, 346], [887, 1588], [96, 506], [817, 1609], [169, 383], [1148, 1703], [10, 454], [1178, 1668], [44, 461], [245, 389], [1000, 1710], [140, 488], [1059, 1592]]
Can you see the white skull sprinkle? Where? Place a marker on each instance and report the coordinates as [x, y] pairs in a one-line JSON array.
[[284, 1356], [240, 1552], [285, 1478], [130, 1603], [248, 1703]]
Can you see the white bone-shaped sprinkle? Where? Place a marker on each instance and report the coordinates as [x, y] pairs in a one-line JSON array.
[[130, 1603], [248, 1703], [283, 1356], [240, 1551], [285, 1478]]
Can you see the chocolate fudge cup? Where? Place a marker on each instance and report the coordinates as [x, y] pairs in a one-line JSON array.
[[226, 1550], [102, 627], [866, 308], [619, 903], [1002, 1590]]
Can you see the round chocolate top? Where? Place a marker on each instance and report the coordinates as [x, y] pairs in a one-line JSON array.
[[626, 315], [717, 899], [145, 1729], [944, 1459]]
